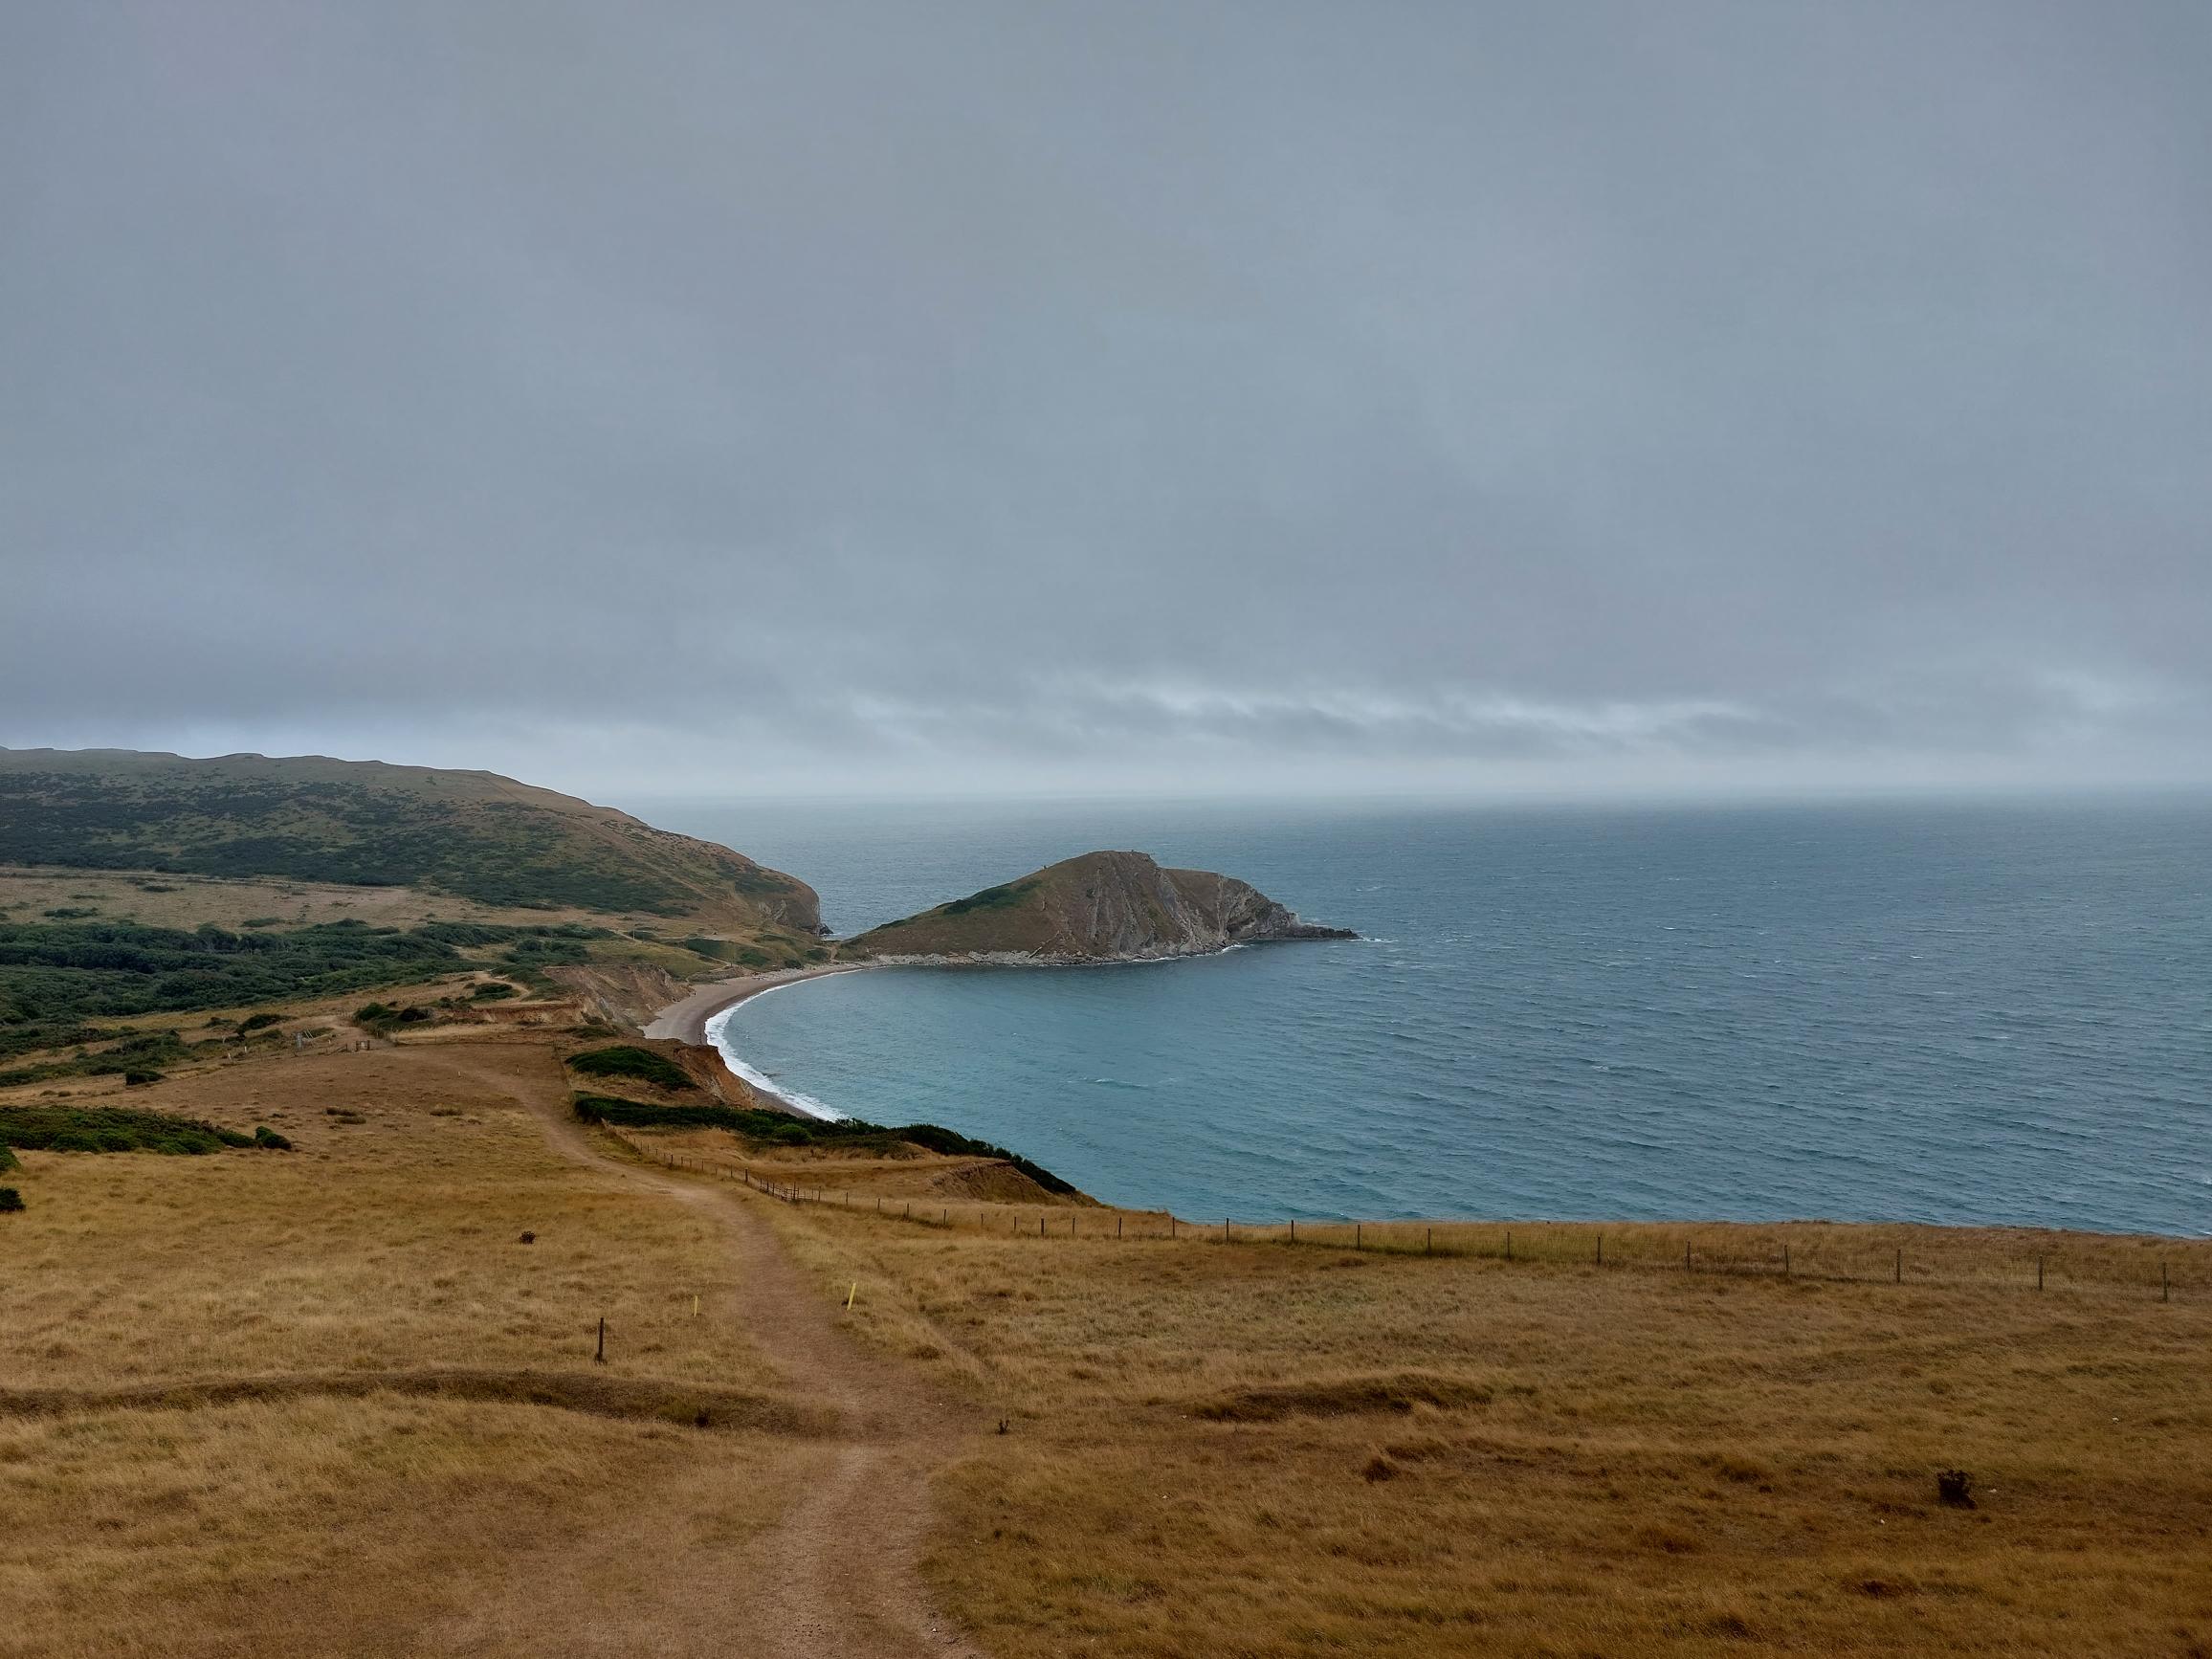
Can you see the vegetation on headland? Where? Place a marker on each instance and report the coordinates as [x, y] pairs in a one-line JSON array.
[[309, 818], [55, 979], [627, 1060], [781, 1129]]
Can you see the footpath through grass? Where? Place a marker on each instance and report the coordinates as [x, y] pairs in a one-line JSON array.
[[1267, 1451]]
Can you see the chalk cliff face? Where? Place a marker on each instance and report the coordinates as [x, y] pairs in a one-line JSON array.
[[1101, 907]]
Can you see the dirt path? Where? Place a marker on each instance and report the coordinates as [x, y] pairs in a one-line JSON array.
[[837, 1574]]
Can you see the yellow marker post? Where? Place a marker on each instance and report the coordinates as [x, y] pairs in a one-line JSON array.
[[695, 1305], [849, 1294]]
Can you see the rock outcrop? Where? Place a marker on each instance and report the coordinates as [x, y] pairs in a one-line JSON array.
[[1101, 907]]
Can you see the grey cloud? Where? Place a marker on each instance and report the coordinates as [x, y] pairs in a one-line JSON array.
[[861, 395]]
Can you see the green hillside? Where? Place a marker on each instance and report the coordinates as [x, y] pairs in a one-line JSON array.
[[473, 834]]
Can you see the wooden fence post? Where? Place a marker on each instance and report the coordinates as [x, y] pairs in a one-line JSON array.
[[2165, 1285], [601, 1356], [2039, 1273], [1600, 1250], [1509, 1244], [1357, 1228], [1428, 1244], [1900, 1267]]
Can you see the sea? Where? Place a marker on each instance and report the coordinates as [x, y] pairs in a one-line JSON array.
[[1986, 1012]]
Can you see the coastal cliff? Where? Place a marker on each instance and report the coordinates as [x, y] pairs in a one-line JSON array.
[[1097, 908]]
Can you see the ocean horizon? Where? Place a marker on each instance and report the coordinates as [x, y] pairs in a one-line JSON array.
[[1993, 1012]]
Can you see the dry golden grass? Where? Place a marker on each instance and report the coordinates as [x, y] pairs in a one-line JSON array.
[[1249, 1448], [1258, 1450], [379, 1244], [321, 1526], [387, 1245]]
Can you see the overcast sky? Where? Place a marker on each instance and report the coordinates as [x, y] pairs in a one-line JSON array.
[[721, 398]]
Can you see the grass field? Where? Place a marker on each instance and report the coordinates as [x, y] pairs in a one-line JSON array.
[[386, 1248], [1256, 1449], [327, 1401]]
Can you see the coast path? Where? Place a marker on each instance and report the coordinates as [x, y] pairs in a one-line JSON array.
[[837, 1573]]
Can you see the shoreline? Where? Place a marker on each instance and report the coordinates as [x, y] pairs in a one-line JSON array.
[[686, 1021]]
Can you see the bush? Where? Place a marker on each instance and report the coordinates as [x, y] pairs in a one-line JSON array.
[[626, 1060], [989, 899], [382, 1017], [111, 1129], [9, 1200], [779, 1129], [260, 1022], [7, 1159], [140, 1079], [269, 1140], [493, 990]]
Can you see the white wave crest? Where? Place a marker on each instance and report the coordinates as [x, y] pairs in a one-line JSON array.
[[717, 1031]]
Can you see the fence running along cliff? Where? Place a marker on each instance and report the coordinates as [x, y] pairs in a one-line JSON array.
[[1812, 1252]]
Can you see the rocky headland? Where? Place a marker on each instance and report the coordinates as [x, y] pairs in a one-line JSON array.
[[1101, 907]]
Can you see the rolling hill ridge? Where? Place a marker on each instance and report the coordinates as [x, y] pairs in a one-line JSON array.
[[310, 818]]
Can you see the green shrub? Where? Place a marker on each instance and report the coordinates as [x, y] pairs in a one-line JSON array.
[[7, 1159], [493, 990], [9, 1200], [779, 1129], [989, 899], [269, 1140], [111, 1129], [260, 1022], [627, 1061], [140, 1079]]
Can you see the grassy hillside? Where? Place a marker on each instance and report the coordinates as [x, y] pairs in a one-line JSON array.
[[261, 1404], [1273, 1450], [473, 834]]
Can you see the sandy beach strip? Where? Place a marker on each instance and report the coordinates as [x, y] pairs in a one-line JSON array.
[[686, 1021]]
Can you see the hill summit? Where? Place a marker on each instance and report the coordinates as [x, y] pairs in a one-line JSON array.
[[1098, 907]]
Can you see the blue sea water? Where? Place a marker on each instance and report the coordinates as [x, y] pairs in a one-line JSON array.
[[1975, 1013]]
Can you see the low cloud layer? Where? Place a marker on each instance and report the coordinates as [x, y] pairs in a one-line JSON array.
[[857, 396]]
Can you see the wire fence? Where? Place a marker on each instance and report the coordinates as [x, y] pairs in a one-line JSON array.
[[1902, 1253]]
